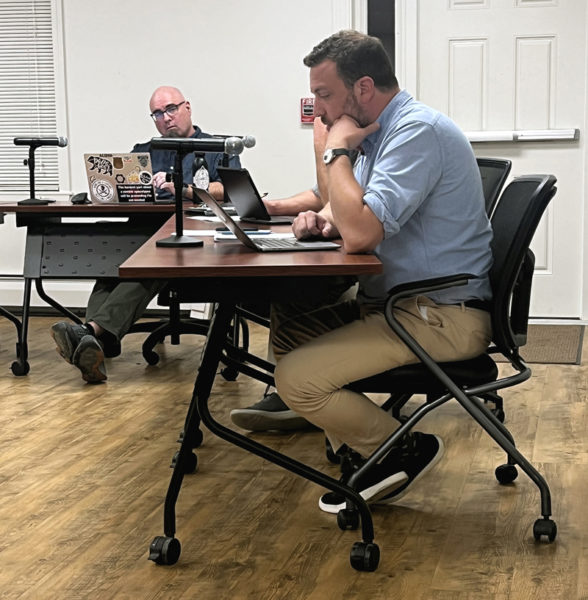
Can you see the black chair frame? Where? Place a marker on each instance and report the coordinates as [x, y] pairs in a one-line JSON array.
[[469, 382]]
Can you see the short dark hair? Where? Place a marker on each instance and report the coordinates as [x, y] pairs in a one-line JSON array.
[[355, 54]]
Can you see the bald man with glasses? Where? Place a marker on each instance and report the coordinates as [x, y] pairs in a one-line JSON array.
[[114, 305], [172, 115]]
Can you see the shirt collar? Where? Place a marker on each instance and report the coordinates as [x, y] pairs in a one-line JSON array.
[[385, 118]]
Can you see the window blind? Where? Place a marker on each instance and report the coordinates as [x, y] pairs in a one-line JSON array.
[[27, 93]]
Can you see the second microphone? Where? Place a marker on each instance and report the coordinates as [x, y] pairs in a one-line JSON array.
[[230, 145]]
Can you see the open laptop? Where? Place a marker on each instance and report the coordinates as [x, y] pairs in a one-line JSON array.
[[114, 178], [243, 194], [261, 244]]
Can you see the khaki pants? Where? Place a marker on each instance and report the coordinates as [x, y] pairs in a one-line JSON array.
[[322, 350]]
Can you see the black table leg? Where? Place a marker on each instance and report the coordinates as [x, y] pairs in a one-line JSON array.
[[166, 549]]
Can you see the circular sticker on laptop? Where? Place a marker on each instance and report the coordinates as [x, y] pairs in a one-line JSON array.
[[145, 177], [102, 190]]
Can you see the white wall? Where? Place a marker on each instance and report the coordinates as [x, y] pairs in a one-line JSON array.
[[238, 62]]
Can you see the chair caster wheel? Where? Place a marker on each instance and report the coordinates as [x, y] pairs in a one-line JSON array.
[[348, 518], [20, 369], [152, 358], [190, 462], [506, 473], [364, 556], [229, 373], [544, 527], [165, 550]]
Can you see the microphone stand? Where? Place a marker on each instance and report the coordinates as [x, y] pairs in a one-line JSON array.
[[31, 164], [179, 239]]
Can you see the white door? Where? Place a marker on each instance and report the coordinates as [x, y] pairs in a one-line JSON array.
[[511, 65]]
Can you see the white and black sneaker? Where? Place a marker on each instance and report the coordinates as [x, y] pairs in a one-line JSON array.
[[391, 478]]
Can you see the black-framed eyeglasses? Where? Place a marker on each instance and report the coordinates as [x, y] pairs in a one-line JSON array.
[[170, 109]]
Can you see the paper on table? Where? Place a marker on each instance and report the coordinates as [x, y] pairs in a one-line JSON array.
[[199, 232], [263, 233], [211, 219]]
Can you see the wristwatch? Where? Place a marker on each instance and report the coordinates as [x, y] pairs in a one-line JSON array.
[[331, 153]]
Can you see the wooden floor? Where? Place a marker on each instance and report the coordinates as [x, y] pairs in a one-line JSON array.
[[84, 471]]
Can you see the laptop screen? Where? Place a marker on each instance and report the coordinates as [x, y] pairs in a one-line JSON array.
[[242, 192], [232, 225]]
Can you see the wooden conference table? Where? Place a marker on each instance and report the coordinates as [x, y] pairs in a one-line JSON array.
[[227, 274], [58, 246]]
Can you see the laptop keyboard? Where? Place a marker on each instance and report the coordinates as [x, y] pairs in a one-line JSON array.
[[277, 243]]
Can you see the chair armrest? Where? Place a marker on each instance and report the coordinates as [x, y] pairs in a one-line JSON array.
[[414, 288]]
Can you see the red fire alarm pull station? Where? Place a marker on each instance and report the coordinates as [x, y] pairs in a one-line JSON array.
[[307, 110]]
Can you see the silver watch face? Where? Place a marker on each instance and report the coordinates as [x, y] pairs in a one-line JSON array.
[[331, 153]]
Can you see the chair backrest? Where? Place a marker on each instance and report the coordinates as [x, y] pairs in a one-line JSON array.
[[514, 222], [494, 172]]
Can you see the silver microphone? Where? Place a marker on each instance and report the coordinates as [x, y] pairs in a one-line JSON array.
[[41, 141], [248, 140], [229, 145]]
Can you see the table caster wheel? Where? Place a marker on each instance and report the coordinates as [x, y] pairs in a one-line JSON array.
[[229, 373], [506, 473], [20, 369], [196, 442], [198, 437], [190, 462], [364, 556], [348, 518], [165, 550], [544, 527]]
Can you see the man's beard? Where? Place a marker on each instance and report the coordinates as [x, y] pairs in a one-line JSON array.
[[172, 133], [353, 109]]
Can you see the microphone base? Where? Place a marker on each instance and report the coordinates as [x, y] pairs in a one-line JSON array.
[[34, 201], [177, 241]]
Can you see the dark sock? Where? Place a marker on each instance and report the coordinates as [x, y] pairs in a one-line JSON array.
[[89, 329], [108, 339]]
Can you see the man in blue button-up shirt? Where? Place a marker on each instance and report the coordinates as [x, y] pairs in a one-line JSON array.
[[414, 198]]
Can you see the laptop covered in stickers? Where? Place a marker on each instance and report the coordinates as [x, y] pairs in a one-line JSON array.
[[125, 177]]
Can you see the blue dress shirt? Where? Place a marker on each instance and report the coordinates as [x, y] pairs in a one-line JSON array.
[[420, 178]]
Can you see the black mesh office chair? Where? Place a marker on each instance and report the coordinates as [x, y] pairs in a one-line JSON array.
[[494, 172], [514, 222], [173, 326]]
